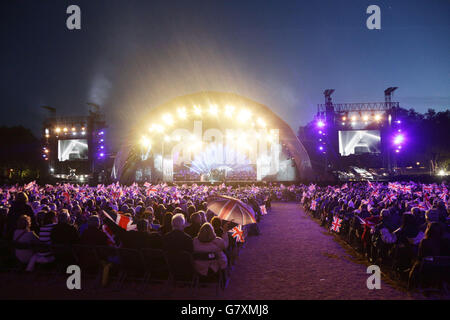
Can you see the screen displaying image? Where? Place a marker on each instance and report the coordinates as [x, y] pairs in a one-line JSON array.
[[74, 149], [359, 142]]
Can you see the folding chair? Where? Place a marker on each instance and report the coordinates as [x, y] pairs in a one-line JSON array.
[[131, 266], [87, 259], [434, 270], [218, 278], [181, 268]]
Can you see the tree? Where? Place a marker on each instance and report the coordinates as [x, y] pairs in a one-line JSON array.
[[20, 154]]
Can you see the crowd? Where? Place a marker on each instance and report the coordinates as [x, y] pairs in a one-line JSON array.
[[168, 218], [405, 226]]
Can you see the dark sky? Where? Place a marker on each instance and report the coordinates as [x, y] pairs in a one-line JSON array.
[[130, 56]]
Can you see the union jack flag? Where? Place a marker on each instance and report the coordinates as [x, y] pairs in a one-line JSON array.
[[427, 189], [405, 189], [263, 209], [313, 205], [66, 196], [393, 186], [390, 197], [109, 234], [150, 191], [121, 220], [238, 233], [336, 224]]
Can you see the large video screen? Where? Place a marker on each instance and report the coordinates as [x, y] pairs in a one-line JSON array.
[[359, 142], [73, 149]]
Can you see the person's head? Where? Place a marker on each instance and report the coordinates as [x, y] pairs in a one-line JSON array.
[[216, 223], [167, 220], [202, 216], [432, 215], [196, 218], [407, 220], [148, 215], [209, 215], [94, 222], [190, 210], [178, 222], [24, 222], [416, 211], [22, 197], [49, 217], [385, 213], [76, 209], [433, 231], [206, 233], [142, 225], [64, 216]]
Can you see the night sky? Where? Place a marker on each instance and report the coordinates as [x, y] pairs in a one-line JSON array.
[[130, 56]]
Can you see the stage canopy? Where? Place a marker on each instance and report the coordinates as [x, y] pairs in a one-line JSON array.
[[211, 137]]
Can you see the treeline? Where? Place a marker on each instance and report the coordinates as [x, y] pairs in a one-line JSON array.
[[20, 155]]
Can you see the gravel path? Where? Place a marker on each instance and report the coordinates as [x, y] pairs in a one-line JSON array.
[[295, 258]]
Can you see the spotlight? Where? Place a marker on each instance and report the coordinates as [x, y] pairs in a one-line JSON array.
[[65, 130], [398, 139], [353, 118], [213, 110], [244, 115], [321, 124], [167, 118], [377, 117], [344, 118], [229, 110], [182, 113], [58, 130], [145, 142], [366, 118], [197, 110]]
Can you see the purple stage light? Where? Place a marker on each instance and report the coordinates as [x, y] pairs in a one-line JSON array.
[[320, 124], [320, 148], [398, 139]]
